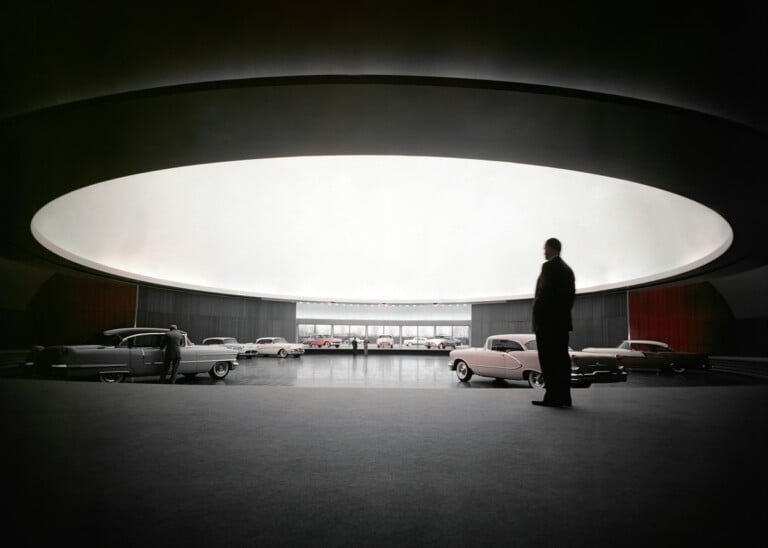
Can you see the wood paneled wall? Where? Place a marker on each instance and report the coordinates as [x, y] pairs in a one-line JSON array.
[[690, 318], [71, 308], [207, 315], [598, 320]]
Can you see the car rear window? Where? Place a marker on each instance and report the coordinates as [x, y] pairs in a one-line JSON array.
[[503, 345]]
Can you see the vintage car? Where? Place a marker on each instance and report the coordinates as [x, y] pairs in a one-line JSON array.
[[442, 342], [650, 354], [325, 341], [278, 346], [244, 350], [116, 354], [385, 341], [516, 357], [416, 341]]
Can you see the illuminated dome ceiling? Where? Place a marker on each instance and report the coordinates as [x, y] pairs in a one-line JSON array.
[[365, 156], [377, 228]]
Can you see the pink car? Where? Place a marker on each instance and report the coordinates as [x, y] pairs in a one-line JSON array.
[[516, 357], [325, 341], [278, 346]]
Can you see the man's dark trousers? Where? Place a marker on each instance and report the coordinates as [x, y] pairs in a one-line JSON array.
[[173, 366], [555, 365]]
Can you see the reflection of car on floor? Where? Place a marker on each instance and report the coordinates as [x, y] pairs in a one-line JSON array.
[[650, 354], [325, 341], [278, 346], [516, 357], [416, 341], [385, 341], [442, 342], [246, 350], [116, 354]]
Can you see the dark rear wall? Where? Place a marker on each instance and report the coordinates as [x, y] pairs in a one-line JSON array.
[[598, 320], [204, 315]]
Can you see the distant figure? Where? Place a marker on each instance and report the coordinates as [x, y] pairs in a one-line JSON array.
[[555, 291], [172, 346], [365, 346], [354, 346]]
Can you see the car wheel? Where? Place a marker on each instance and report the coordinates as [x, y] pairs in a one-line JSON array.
[[219, 370], [327, 345], [281, 353], [111, 377], [535, 379], [463, 372], [677, 368]]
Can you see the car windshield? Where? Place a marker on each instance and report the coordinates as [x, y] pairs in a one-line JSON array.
[[531, 345], [279, 340], [626, 345]]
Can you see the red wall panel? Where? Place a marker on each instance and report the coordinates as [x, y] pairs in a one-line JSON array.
[[71, 309], [690, 318]]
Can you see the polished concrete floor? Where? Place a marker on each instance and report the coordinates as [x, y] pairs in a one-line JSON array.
[[378, 451], [406, 371]]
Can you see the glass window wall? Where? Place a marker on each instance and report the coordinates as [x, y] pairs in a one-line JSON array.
[[399, 333]]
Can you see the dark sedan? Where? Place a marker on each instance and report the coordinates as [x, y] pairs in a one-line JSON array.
[[132, 352]]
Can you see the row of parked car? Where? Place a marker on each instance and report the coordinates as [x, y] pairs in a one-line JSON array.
[[135, 351], [265, 346], [383, 341]]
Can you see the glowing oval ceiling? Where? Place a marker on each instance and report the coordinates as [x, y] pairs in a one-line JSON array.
[[395, 229]]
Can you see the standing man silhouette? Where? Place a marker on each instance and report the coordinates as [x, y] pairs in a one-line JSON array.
[[172, 345], [555, 291]]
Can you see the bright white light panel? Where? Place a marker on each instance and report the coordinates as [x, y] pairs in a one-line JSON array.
[[371, 229]]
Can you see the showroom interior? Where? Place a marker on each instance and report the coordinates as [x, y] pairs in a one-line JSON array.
[[350, 179]]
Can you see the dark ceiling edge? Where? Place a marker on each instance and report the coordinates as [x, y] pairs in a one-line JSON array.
[[398, 80], [45, 257]]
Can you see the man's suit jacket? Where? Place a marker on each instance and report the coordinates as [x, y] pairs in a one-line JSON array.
[[555, 291], [172, 344]]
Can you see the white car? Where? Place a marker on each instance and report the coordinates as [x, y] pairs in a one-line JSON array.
[[278, 346], [443, 342], [385, 341], [416, 341], [244, 350]]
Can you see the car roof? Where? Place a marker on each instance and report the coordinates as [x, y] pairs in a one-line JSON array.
[[525, 337], [128, 331], [646, 341]]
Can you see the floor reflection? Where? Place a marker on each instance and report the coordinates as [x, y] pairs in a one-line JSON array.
[[349, 371], [396, 371]]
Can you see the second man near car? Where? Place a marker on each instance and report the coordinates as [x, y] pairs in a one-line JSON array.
[[172, 343]]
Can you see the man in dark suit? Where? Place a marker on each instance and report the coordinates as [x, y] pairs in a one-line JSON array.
[[555, 291], [172, 345]]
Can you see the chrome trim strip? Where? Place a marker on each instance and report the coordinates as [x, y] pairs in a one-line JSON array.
[[85, 365]]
